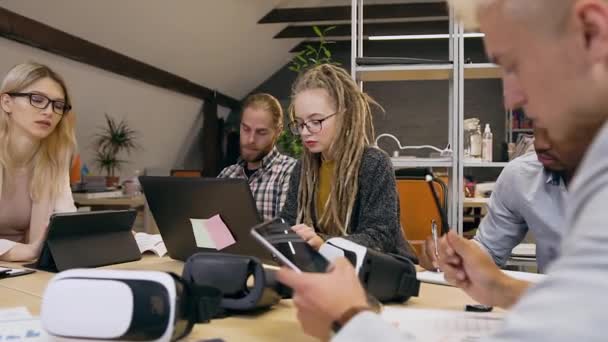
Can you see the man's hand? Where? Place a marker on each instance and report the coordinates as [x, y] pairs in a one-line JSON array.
[[428, 259], [322, 298], [309, 235], [467, 266]]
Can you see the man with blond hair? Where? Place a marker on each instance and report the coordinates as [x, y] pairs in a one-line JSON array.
[[554, 56], [265, 168]]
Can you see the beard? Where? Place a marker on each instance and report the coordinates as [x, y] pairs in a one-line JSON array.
[[255, 156]]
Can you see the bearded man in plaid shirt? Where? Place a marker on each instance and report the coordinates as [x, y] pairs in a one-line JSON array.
[[266, 170]]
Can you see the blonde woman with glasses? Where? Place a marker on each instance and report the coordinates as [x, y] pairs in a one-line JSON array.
[[37, 141], [342, 186]]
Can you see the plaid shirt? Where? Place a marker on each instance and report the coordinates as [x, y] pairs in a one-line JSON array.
[[269, 184]]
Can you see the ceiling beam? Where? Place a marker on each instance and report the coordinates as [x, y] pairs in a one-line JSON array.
[[304, 14], [371, 29], [33, 33]]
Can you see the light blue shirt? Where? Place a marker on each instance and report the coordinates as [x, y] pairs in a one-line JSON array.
[[526, 197], [571, 303]]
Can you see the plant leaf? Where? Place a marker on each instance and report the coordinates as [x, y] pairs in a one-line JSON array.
[[317, 31]]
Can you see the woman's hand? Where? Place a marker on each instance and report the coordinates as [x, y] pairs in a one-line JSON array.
[[309, 235]]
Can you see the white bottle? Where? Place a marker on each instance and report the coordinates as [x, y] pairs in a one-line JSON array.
[[476, 144], [486, 150]]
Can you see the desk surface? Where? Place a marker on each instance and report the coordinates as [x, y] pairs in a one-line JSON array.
[[128, 201], [276, 324], [472, 202]]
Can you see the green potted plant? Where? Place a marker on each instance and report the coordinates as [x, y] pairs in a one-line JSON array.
[[111, 140], [310, 56]]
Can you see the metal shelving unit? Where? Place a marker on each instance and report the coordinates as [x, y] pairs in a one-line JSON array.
[[468, 164], [454, 73], [449, 72]]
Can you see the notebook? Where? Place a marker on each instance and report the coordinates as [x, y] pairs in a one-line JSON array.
[[151, 243]]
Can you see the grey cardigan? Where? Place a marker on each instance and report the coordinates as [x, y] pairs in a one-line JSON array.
[[375, 219]]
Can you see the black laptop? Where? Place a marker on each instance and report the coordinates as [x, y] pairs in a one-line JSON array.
[[174, 201]]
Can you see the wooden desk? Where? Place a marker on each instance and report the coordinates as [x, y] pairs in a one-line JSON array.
[[475, 202], [276, 324]]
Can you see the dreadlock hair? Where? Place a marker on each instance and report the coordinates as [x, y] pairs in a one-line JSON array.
[[354, 131]]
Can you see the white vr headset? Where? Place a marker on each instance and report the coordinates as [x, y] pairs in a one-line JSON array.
[[388, 277], [124, 305]]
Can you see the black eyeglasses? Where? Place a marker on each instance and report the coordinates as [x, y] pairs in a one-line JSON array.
[[313, 126], [42, 102]]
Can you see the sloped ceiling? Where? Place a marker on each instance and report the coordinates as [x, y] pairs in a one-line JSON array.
[[215, 43]]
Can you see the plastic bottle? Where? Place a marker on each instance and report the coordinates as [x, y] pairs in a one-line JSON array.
[[486, 150], [476, 144]]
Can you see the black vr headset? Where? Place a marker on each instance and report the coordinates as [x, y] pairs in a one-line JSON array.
[[387, 277], [244, 283]]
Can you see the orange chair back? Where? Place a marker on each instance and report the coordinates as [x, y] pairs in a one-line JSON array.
[[417, 209]]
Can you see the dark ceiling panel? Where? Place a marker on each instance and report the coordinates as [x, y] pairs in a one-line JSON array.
[[387, 11], [33, 33], [371, 29]]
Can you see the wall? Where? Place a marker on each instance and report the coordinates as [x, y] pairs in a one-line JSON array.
[[168, 122]]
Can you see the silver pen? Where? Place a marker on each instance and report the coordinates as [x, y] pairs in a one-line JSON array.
[[434, 232]]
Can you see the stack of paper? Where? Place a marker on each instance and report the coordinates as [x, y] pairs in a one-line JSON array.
[[439, 279], [212, 233]]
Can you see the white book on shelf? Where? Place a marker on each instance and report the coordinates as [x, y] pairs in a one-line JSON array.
[[151, 243]]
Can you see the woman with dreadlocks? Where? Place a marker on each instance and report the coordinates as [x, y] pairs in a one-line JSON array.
[[342, 186]]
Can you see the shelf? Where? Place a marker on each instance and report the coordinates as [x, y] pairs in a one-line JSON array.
[[523, 130], [416, 72], [481, 71], [425, 72], [484, 164], [401, 162]]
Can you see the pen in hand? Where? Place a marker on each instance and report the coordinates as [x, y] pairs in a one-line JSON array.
[[435, 242]]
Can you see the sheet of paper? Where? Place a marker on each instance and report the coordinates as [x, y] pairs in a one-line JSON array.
[[12, 314], [201, 234], [220, 234], [524, 250], [442, 325], [438, 278], [212, 233], [17, 324]]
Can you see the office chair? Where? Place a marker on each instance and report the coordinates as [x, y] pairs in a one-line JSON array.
[[417, 206]]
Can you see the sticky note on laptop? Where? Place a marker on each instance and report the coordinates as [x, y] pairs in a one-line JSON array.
[[212, 233]]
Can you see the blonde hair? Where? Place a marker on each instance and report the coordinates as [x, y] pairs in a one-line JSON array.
[[553, 12], [51, 162], [267, 103], [354, 132]]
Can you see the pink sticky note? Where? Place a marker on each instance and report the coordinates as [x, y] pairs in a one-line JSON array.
[[220, 234]]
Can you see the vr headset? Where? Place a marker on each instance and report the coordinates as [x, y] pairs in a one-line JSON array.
[[244, 283], [124, 305], [388, 277]]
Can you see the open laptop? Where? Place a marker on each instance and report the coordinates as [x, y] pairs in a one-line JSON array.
[[175, 201]]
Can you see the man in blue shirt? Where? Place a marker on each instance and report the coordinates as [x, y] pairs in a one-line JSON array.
[[529, 196]]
